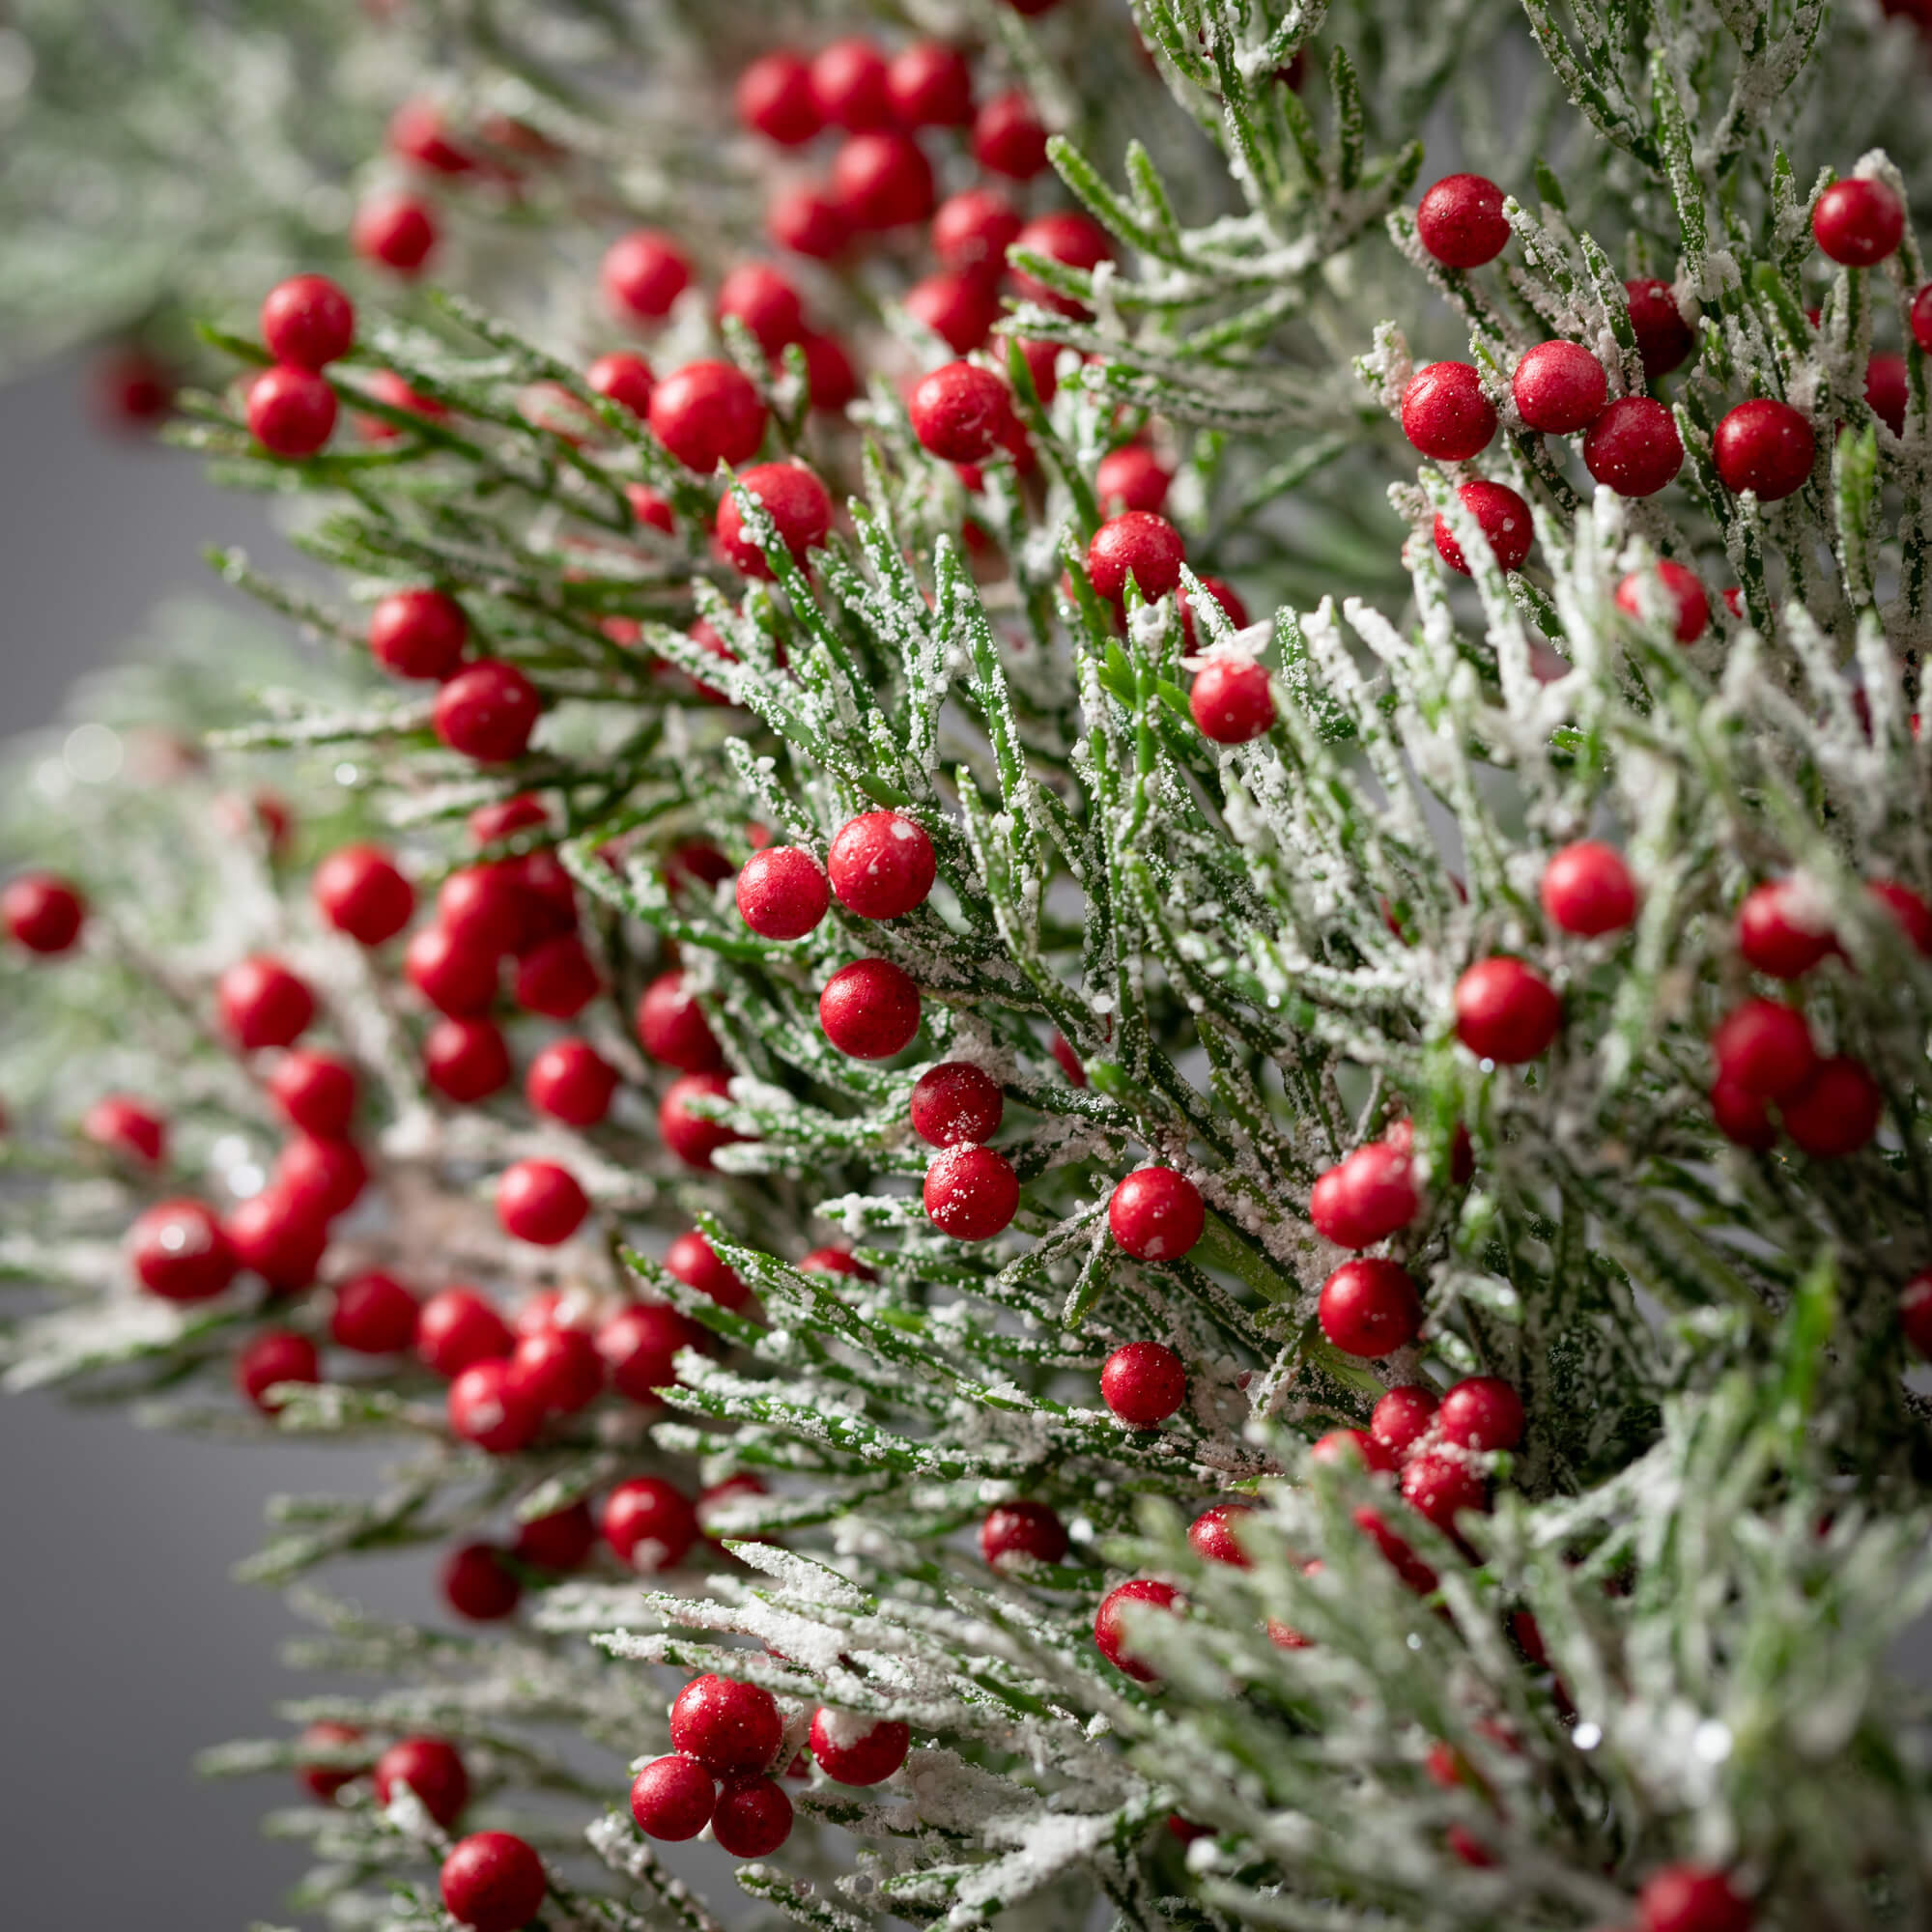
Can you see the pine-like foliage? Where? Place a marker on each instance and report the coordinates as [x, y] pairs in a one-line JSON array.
[[1663, 1640]]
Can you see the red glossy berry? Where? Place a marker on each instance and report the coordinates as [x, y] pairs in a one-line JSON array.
[[374, 1315], [756, 295], [455, 978], [359, 890], [1664, 338], [561, 1540], [1213, 1535], [1560, 388], [881, 864], [955, 1104], [1506, 1011], [1765, 1049], [467, 1060], [125, 1126], [1858, 223], [1232, 701], [960, 308], [625, 380], [279, 1237], [1483, 1412], [323, 1780], [572, 1082], [640, 1348], [262, 1004], [672, 1027], [1346, 1447], [972, 231], [431, 1769], [752, 1817], [180, 1252], [487, 712], [725, 1725], [1401, 1419], [1785, 929], [395, 230], [42, 912], [307, 321], [485, 909], [419, 634], [881, 181], [492, 1882], [1912, 915], [707, 414], [1683, 599], [1110, 1621], [323, 1171], [1444, 412], [971, 1193], [1503, 518], [1017, 1533], [1366, 1196], [1888, 391], [689, 1135], [541, 1203], [961, 413], [869, 1010], [1077, 241], [1142, 1383], [692, 1259], [849, 84], [1459, 221], [1836, 1112], [276, 1355], [1441, 1488], [291, 412], [644, 274], [1370, 1307], [1137, 544], [316, 1092], [557, 979], [649, 1524], [653, 511], [1132, 478], [855, 1749], [1914, 1314], [1633, 447], [1743, 1117], [1156, 1214], [671, 1798], [1691, 1898], [561, 1370], [782, 893], [829, 380], [488, 1405], [798, 504], [775, 98], [1587, 889], [1766, 446], [1008, 137], [806, 220], [929, 85]]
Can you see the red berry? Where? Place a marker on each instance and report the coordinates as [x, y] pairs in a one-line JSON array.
[[1441, 1488], [759, 296], [492, 1882], [930, 85], [358, 891], [559, 979], [1483, 1412], [651, 510], [644, 274], [881, 864], [484, 909], [1402, 1418], [1369, 1308], [291, 412], [1077, 241], [882, 180], [706, 413], [775, 98], [323, 1174], [395, 230], [1232, 701], [1741, 1116], [855, 1749], [280, 1237], [1146, 547], [869, 1010], [1503, 518], [971, 1193], [432, 1770], [1888, 392], [1346, 1447], [1836, 1112], [649, 1525], [323, 1780], [131, 389], [1444, 412], [1785, 929], [1132, 478], [955, 1104], [752, 1817], [125, 1126], [808, 221], [961, 414], [1506, 1011], [42, 912], [690, 1136], [467, 1060], [1110, 1632], [1911, 913], [1766, 446], [1212, 1534], [1683, 597], [316, 1092], [1560, 388], [849, 85], [782, 893], [1858, 223], [1664, 338], [456, 979], [1459, 221], [828, 373], [1400, 1135], [307, 321], [960, 308], [1142, 1383], [561, 1370], [419, 634], [798, 505], [972, 231], [692, 1259], [1366, 1197], [541, 1203], [458, 1329], [1633, 447], [489, 1405], [488, 712], [672, 1027], [1156, 1214], [671, 1798], [1691, 1898], [374, 1315], [1914, 1316], [1008, 137], [263, 1004], [640, 1346], [561, 1540], [1017, 1533], [625, 378], [419, 132], [1765, 1049], [725, 1725], [1587, 889], [276, 1355], [571, 1082]]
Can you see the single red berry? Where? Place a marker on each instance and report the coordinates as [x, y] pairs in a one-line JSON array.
[[557, 979], [180, 1252], [467, 1060], [1506, 1011], [374, 1315], [689, 1135], [640, 1346], [1110, 1623], [419, 132], [692, 1259], [1743, 1117], [1784, 927], [881, 864], [782, 893], [572, 1082], [307, 321], [323, 1780], [707, 414], [431, 1769], [725, 1725], [489, 1405], [1346, 1447], [1503, 518], [278, 1237], [488, 712], [1858, 223], [1009, 136], [1366, 1196], [1766, 446], [456, 979], [881, 181], [323, 1174], [486, 909], [1213, 1536], [1444, 412], [1483, 1412], [1147, 548], [971, 1193], [961, 414], [1142, 1383], [829, 380], [1459, 221], [1132, 478], [131, 389], [775, 98], [653, 511], [1909, 911], [291, 412], [806, 220], [1441, 1488], [395, 232], [672, 1027], [756, 295], [1232, 701], [972, 231], [1683, 598], [419, 634], [359, 890], [852, 1748], [1370, 1307], [1888, 391], [262, 1004], [316, 1092], [1691, 1898], [752, 1817], [671, 1798], [1836, 1112], [1914, 1314], [276, 1355], [649, 1524], [1156, 1214], [960, 306], [1633, 447], [955, 1104], [798, 504], [478, 1584], [644, 274], [492, 1882], [1764, 1048], [930, 85], [541, 1203], [558, 1369], [1019, 1533], [1401, 1419], [1587, 889], [125, 1126], [42, 912], [625, 378], [1076, 241], [850, 87], [869, 1010], [1560, 388], [1664, 338], [561, 1540]]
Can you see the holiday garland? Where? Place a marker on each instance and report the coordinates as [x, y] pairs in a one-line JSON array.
[[1263, 1270]]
